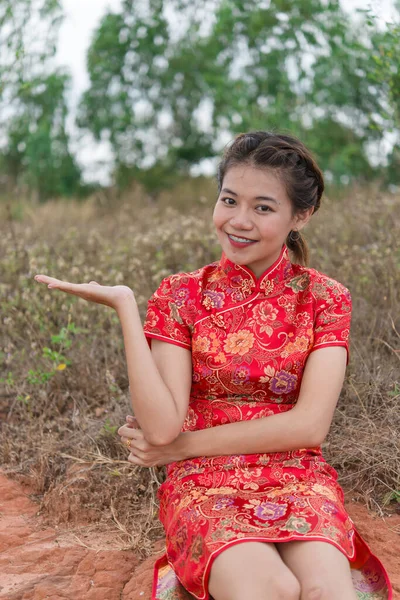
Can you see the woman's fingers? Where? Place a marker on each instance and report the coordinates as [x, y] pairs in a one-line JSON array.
[[130, 432], [135, 460], [48, 280], [65, 286], [111, 296], [52, 282], [123, 430], [132, 422]]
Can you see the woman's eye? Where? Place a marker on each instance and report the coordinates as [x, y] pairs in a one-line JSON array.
[[228, 201], [264, 208]]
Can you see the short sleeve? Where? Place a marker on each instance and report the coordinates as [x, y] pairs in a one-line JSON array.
[[168, 317], [333, 314]]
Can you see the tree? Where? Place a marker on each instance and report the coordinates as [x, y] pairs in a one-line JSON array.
[[35, 144], [172, 81], [386, 75]]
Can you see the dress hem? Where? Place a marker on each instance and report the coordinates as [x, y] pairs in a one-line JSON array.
[[216, 553]]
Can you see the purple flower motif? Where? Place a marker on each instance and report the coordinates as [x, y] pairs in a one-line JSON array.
[[329, 508], [283, 383], [215, 299], [268, 511], [205, 371], [222, 503], [180, 296], [241, 375], [236, 294], [237, 279]]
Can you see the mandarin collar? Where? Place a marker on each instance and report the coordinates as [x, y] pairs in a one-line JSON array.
[[243, 278]]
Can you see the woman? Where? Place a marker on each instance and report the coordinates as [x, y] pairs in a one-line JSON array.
[[237, 393]]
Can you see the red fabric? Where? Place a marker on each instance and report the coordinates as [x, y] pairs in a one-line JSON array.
[[250, 339]]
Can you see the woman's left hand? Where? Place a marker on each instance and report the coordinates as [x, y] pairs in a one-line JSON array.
[[144, 454]]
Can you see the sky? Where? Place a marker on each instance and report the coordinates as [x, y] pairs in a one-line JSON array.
[[81, 19]]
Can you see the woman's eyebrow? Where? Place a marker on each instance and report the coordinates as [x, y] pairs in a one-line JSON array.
[[228, 191]]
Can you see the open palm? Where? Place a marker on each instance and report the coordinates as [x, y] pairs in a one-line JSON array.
[[92, 291]]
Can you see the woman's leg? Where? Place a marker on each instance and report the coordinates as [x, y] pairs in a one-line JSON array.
[[322, 570], [252, 570]]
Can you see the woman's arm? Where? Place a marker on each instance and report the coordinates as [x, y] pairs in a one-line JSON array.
[[159, 379], [304, 426]]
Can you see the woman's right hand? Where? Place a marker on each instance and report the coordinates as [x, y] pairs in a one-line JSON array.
[[144, 454], [108, 295]]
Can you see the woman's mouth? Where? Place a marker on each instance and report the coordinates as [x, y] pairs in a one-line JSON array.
[[240, 242]]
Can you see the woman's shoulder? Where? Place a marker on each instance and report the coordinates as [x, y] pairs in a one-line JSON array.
[[319, 284], [190, 281]]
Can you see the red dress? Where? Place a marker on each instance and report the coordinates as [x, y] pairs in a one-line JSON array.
[[250, 339]]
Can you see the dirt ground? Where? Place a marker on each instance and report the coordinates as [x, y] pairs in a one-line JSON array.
[[39, 561]]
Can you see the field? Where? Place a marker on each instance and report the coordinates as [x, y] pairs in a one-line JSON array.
[[64, 386]]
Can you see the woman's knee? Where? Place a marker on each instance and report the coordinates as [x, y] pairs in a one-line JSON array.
[[289, 588], [271, 588], [252, 570], [315, 591]]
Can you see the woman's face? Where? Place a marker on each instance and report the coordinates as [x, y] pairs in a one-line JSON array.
[[253, 216]]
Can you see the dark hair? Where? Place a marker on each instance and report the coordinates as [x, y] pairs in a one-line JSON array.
[[293, 163]]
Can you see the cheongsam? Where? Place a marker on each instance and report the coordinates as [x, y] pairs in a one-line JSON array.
[[250, 338]]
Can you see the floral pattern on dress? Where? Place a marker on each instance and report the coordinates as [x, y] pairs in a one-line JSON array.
[[250, 339]]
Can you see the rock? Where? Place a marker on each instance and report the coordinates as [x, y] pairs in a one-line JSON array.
[[38, 562]]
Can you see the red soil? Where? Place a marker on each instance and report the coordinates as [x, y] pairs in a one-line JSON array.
[[38, 561]]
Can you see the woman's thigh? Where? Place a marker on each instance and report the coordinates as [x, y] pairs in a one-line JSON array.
[[322, 570], [252, 570]]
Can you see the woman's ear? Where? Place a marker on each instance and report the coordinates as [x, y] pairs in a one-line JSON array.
[[302, 218]]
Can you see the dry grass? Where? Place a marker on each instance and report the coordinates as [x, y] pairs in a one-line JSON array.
[[59, 425]]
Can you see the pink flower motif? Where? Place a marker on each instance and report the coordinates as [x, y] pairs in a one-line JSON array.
[[152, 318], [240, 342], [191, 419], [264, 314], [301, 319]]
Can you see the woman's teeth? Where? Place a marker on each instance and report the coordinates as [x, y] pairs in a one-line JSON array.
[[239, 239]]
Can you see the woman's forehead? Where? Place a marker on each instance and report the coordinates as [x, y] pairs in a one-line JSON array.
[[247, 180]]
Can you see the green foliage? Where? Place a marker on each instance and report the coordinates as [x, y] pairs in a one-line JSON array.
[[38, 377], [303, 67], [392, 496], [9, 380], [386, 75], [109, 429], [171, 83], [54, 360], [32, 96]]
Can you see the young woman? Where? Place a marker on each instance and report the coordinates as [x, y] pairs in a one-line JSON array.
[[237, 393]]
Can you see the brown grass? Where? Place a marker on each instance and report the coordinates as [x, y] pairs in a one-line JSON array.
[[60, 433]]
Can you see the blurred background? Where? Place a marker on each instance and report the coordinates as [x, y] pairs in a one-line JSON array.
[[110, 92], [112, 117]]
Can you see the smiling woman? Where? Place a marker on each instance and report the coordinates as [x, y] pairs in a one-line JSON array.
[[252, 228], [267, 339], [235, 389], [249, 506]]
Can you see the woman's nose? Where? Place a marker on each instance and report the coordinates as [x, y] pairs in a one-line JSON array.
[[241, 220]]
